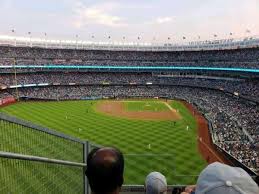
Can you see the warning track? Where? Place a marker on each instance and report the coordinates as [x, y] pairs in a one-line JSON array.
[[205, 144]]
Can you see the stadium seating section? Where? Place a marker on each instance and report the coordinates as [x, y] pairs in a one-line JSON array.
[[231, 104]]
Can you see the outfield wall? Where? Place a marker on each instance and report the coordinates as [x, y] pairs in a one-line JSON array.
[[6, 101]]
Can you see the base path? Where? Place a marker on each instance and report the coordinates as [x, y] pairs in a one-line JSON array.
[[205, 145], [170, 108], [117, 109]]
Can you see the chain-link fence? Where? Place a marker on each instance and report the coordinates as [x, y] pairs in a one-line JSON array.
[[34, 159]]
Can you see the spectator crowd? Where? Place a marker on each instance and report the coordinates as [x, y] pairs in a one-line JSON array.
[[243, 87], [235, 121], [105, 173], [243, 58]]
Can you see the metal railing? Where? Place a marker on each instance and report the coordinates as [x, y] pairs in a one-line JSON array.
[[140, 189], [34, 159]]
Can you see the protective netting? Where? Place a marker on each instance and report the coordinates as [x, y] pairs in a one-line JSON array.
[[23, 177], [26, 176], [25, 140]]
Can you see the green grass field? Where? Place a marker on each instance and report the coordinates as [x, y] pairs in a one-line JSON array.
[[147, 145]]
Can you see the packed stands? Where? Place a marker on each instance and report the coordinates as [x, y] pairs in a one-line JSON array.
[[225, 100], [241, 86], [242, 58], [232, 118]]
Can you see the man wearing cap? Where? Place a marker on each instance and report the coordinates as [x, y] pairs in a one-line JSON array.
[[105, 168], [219, 178], [156, 183]]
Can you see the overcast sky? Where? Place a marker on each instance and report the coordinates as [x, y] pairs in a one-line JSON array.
[[148, 19]]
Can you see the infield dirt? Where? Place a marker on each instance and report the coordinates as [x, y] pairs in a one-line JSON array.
[[205, 145], [117, 109]]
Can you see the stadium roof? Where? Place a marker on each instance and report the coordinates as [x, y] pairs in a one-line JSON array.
[[220, 44]]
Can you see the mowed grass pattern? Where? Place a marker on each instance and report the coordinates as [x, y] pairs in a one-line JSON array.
[[147, 145], [18, 176]]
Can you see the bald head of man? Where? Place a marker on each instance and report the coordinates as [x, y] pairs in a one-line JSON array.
[[105, 167]]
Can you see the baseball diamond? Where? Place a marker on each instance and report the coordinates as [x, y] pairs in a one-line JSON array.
[[152, 136], [82, 114]]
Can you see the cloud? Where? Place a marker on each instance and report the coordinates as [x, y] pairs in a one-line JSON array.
[[162, 20], [98, 14]]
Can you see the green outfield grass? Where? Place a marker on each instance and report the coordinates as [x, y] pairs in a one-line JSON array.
[[155, 106], [147, 145]]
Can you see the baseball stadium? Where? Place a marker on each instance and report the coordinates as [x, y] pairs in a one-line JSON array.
[[169, 108]]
